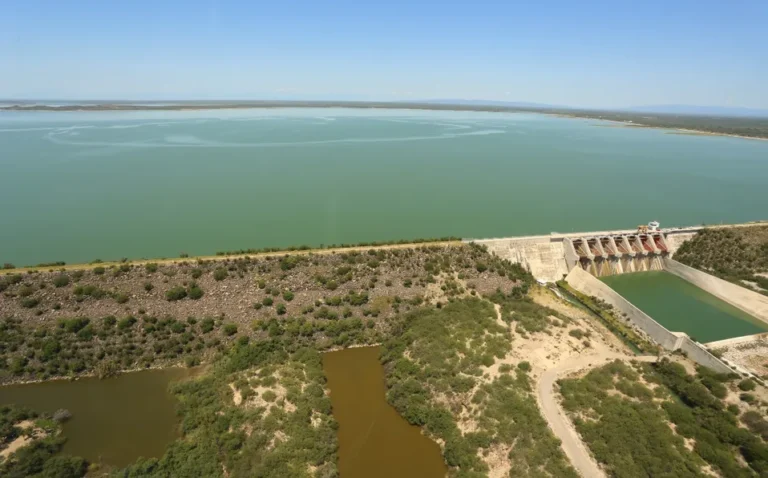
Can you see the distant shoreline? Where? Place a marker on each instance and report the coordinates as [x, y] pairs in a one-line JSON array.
[[735, 127], [678, 131]]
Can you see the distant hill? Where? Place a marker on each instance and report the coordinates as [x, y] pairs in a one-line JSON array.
[[699, 110]]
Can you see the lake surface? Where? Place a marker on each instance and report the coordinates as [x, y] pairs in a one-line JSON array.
[[77, 186], [115, 420], [374, 441], [680, 306]]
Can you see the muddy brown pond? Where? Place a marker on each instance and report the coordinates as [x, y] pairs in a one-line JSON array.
[[114, 420], [374, 441]]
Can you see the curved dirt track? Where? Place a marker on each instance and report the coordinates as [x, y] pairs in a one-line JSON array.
[[574, 448]]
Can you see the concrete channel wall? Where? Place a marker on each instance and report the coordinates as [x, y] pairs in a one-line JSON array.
[[587, 284], [749, 301]]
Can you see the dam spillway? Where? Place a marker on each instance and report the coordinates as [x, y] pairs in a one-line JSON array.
[[603, 253], [610, 255]]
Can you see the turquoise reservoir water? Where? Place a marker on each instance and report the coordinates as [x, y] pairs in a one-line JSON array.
[[76, 186], [680, 306]]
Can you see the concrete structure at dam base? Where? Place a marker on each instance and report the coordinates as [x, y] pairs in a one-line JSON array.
[[581, 258]]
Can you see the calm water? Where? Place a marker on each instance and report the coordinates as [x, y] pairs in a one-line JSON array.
[[374, 441], [680, 306], [115, 420], [76, 186]]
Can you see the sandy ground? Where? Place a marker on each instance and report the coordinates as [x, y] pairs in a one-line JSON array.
[[748, 355], [550, 356], [23, 440]]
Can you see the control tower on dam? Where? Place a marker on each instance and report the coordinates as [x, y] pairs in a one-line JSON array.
[[602, 253]]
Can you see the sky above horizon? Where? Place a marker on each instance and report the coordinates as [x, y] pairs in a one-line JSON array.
[[584, 54]]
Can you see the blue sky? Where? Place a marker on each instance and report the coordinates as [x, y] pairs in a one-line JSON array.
[[596, 54]]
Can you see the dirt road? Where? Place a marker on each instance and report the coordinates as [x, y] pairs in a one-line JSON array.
[[574, 448]]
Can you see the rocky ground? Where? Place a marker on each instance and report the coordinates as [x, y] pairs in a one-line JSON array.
[[245, 289]]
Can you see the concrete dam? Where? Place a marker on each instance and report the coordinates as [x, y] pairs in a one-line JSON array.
[[581, 259], [604, 253]]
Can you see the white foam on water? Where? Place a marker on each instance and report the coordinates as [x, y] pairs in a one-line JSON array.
[[183, 139], [178, 141]]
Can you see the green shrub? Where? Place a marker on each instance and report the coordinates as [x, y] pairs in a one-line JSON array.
[[229, 329], [196, 273], [577, 333], [126, 323], [61, 280], [524, 366], [267, 301], [747, 397], [269, 396], [206, 325], [288, 296], [99, 271], [26, 291], [747, 385], [151, 267], [175, 293], [220, 274], [280, 309], [195, 292], [121, 298], [30, 302], [756, 423], [148, 286]]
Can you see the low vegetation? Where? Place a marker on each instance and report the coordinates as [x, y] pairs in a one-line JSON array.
[[262, 409], [611, 320], [657, 420], [69, 323], [262, 412], [42, 441], [736, 254], [447, 370]]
